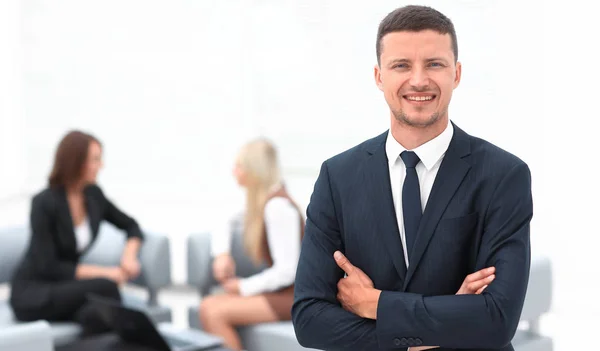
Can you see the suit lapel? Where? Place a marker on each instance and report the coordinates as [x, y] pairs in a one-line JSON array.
[[382, 212], [93, 211], [94, 215], [450, 175], [67, 236]]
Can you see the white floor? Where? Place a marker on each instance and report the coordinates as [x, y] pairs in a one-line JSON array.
[[573, 330]]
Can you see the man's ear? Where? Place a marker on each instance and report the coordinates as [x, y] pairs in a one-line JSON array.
[[377, 75], [458, 74]]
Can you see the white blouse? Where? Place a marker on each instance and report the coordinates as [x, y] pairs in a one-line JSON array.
[[83, 235], [282, 222]]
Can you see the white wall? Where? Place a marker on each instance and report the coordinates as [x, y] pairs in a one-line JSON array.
[[173, 88], [12, 155], [570, 153]]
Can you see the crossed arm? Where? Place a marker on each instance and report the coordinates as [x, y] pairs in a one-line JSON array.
[[357, 293], [487, 320]]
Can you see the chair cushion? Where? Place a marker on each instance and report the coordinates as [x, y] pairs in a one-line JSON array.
[[6, 314], [270, 337], [65, 332], [276, 330], [62, 333]]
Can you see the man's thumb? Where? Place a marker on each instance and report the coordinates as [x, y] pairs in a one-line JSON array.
[[343, 262]]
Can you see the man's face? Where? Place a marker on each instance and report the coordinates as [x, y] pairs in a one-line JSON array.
[[417, 74]]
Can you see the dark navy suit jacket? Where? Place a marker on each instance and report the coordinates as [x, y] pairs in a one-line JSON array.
[[477, 215]]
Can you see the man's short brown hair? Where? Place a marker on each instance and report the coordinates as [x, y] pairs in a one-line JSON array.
[[414, 18]]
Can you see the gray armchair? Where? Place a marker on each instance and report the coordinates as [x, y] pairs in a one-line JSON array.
[[281, 336], [155, 273]]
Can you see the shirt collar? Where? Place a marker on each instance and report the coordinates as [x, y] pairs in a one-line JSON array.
[[429, 153]]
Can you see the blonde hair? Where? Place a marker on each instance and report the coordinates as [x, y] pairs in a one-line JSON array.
[[258, 160]]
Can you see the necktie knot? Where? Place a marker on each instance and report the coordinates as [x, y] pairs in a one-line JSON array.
[[411, 160]]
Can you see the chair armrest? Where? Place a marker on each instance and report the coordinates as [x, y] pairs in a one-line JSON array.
[[154, 255], [200, 261], [155, 258], [539, 291], [34, 336], [14, 243], [199, 267]]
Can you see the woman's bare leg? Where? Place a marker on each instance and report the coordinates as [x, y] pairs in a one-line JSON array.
[[221, 314]]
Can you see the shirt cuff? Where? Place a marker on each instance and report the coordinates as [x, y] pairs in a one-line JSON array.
[[246, 288]]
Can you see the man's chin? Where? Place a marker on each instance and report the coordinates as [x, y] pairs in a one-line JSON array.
[[418, 121]]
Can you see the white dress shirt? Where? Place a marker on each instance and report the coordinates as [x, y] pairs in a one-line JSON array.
[[431, 155], [282, 224]]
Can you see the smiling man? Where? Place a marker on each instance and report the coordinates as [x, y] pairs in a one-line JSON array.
[[398, 224]]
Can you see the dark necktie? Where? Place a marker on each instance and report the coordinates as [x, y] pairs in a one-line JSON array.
[[411, 199]]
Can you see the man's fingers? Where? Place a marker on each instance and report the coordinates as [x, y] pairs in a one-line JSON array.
[[480, 274], [480, 290], [343, 262], [340, 298], [475, 286]]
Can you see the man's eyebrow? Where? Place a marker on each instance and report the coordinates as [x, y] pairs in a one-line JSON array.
[[436, 59], [399, 60], [431, 59]]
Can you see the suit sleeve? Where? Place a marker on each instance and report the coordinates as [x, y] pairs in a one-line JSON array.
[[120, 220], [43, 244], [488, 320], [319, 320]]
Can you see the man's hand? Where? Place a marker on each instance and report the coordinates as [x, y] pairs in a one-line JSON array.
[[476, 282], [356, 291], [232, 286]]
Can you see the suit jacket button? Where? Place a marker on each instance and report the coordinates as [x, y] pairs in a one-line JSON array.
[[403, 342], [396, 341], [418, 341], [411, 341]]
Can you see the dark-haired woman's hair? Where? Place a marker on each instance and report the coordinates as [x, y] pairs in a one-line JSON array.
[[70, 158]]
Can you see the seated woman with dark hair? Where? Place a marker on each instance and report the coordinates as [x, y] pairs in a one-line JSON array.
[[50, 283]]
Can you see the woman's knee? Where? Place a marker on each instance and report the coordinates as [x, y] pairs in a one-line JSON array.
[[210, 309]]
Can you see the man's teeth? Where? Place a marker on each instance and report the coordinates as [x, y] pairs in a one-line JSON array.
[[419, 98]]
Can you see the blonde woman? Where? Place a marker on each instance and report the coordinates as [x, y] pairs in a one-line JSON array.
[[273, 230]]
